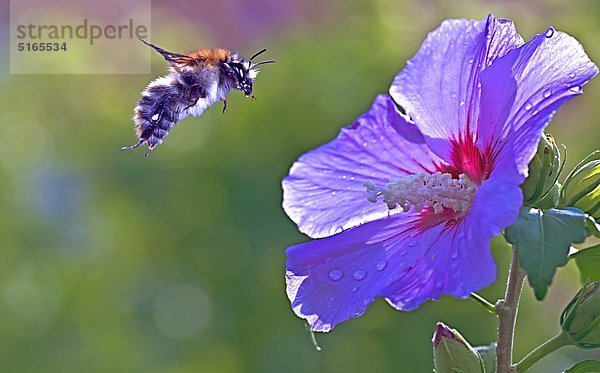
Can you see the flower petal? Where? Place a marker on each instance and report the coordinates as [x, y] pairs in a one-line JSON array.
[[335, 278], [324, 192], [438, 88], [459, 261], [521, 91]]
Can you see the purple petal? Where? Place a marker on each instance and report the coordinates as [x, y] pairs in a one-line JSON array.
[[438, 88], [324, 192], [335, 278], [459, 261], [521, 91]]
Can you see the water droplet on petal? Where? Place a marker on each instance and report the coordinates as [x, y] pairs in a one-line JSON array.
[[547, 93], [528, 106], [359, 275], [575, 89], [403, 253], [352, 178], [365, 144], [439, 284], [412, 243], [550, 32], [355, 289], [333, 193], [335, 275], [571, 75], [462, 103], [455, 255], [380, 266], [454, 265], [359, 311], [344, 177], [471, 60]]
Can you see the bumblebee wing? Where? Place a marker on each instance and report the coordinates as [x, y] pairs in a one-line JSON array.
[[171, 57]]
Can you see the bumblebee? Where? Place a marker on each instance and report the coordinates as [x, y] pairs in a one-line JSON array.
[[196, 81]]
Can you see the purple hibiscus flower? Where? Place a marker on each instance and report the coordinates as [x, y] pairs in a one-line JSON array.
[[404, 206]]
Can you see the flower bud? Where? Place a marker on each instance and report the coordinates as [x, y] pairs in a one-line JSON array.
[[581, 318], [544, 170], [582, 186], [452, 353]]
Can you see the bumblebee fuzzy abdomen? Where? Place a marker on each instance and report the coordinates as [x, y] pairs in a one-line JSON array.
[[159, 109], [169, 99]]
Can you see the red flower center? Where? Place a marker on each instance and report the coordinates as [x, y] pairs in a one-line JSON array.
[[469, 160]]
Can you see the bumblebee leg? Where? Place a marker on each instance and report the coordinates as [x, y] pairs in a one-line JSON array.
[[133, 146], [224, 105]]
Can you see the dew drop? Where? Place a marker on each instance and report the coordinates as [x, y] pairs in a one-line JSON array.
[[571, 75], [454, 265], [412, 243], [439, 284], [403, 253], [359, 311], [471, 60], [355, 289], [380, 266], [575, 89], [344, 177], [359, 275], [455, 255], [549, 32], [528, 106], [547, 93], [333, 193], [462, 103], [352, 178], [335, 275], [365, 144]]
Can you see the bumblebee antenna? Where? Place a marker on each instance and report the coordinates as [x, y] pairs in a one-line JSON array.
[[258, 54], [263, 63]]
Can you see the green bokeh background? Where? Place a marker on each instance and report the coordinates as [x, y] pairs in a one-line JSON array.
[[112, 262]]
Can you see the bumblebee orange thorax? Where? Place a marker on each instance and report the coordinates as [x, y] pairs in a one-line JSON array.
[[210, 57]]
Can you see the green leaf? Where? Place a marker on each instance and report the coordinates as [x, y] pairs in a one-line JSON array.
[[586, 366], [592, 227], [488, 355], [588, 262], [543, 239]]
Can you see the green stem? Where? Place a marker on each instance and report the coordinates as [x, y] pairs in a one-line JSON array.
[[484, 302], [544, 349], [507, 309]]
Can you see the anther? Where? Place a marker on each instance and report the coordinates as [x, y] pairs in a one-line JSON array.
[[439, 191]]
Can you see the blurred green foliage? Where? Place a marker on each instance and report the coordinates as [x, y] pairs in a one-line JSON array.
[[111, 262]]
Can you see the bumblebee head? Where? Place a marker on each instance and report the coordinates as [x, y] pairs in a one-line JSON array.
[[243, 72]]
